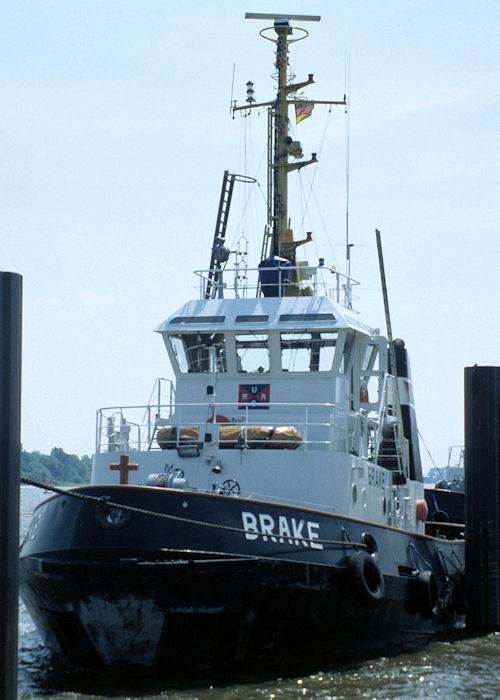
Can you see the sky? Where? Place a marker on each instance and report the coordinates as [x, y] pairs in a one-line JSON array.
[[115, 132]]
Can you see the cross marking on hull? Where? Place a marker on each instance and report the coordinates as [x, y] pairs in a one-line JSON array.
[[124, 467]]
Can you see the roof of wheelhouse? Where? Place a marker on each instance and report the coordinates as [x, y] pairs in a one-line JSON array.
[[263, 313]]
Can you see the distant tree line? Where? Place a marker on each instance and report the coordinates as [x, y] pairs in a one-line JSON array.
[[59, 467], [446, 473]]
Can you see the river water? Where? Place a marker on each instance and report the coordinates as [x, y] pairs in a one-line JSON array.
[[465, 667]]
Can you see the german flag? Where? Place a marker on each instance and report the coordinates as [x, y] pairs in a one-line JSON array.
[[303, 110]]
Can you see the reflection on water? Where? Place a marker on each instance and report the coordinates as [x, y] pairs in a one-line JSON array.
[[467, 668]]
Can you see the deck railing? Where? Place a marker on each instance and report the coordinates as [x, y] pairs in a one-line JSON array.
[[321, 425], [242, 282]]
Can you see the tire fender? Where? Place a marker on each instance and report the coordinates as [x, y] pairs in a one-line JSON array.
[[366, 578], [428, 594]]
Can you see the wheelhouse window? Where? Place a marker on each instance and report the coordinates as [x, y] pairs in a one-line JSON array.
[[199, 352], [370, 373], [310, 351], [252, 352], [345, 361]]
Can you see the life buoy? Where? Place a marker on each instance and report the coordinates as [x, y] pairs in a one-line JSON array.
[[218, 419], [366, 577], [428, 594], [422, 510]]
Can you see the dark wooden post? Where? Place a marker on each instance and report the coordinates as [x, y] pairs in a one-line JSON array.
[[482, 495], [10, 460]]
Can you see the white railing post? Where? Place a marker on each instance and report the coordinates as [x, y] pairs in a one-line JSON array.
[[98, 431], [306, 440]]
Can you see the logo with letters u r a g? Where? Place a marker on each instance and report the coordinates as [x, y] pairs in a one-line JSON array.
[[251, 395]]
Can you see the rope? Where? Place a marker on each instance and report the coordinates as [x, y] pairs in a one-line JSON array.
[[418, 556], [445, 557], [105, 500], [432, 459], [312, 193]]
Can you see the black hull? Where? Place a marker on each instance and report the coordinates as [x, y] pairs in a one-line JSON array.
[[112, 597], [446, 505]]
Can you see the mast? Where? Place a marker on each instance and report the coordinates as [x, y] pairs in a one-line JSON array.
[[283, 146]]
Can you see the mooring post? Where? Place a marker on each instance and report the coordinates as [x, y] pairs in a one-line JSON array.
[[10, 460], [482, 495]]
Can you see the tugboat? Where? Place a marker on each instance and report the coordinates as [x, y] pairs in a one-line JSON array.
[[446, 500], [269, 508]]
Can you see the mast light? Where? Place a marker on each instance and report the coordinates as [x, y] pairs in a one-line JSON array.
[[250, 92]]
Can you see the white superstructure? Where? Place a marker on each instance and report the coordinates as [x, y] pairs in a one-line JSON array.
[[306, 363]]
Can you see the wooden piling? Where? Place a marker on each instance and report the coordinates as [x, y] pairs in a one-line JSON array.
[[10, 460], [482, 495]]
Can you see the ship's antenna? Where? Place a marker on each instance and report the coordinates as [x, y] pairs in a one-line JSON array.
[[392, 350], [347, 149], [386, 302], [282, 144], [232, 89]]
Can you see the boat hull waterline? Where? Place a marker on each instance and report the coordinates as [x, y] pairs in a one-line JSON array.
[[264, 584]]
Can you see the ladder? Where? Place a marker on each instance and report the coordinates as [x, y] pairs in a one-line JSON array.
[[268, 229], [219, 254]]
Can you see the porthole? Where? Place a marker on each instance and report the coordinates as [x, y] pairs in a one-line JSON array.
[[354, 493]]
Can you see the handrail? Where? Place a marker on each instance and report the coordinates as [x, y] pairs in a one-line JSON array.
[[324, 404], [401, 443], [322, 424], [120, 434], [302, 276]]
